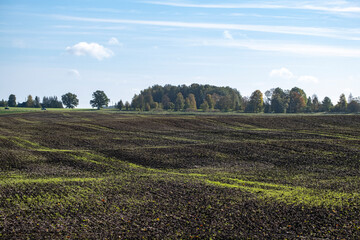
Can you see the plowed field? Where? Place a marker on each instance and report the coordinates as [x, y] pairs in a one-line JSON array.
[[105, 175]]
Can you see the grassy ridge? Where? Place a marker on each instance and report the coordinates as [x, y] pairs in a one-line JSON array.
[[79, 174]]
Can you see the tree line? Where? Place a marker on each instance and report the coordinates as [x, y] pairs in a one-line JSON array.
[[70, 100], [212, 98], [187, 98], [205, 98]]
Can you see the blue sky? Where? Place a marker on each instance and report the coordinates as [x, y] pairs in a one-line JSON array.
[[49, 48]]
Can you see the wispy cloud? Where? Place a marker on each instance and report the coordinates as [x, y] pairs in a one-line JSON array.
[[349, 34], [114, 41], [342, 7], [73, 73], [272, 46], [94, 50], [227, 35]]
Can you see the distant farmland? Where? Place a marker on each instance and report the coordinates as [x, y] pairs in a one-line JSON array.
[[97, 175]]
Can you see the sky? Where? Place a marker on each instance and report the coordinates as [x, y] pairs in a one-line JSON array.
[[49, 48]]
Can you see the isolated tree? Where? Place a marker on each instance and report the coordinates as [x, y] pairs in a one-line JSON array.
[[99, 99], [179, 103], [70, 100], [326, 104], [12, 101], [29, 101], [120, 105]]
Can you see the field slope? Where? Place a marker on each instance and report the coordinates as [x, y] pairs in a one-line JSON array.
[[98, 175]]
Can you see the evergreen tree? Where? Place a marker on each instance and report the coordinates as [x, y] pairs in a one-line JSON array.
[[309, 107], [37, 103], [120, 105], [3, 103], [315, 104], [341, 106]]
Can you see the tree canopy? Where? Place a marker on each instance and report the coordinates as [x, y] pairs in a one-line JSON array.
[[12, 101], [99, 99], [70, 100], [187, 97]]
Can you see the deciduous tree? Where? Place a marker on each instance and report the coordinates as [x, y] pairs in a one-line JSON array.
[[99, 99], [179, 103], [12, 101], [326, 104], [256, 102], [70, 100], [29, 102]]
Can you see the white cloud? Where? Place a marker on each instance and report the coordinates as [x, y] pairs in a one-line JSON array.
[[308, 79], [90, 49], [227, 35], [349, 34], [73, 73], [273, 46], [285, 73], [114, 41], [282, 73]]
